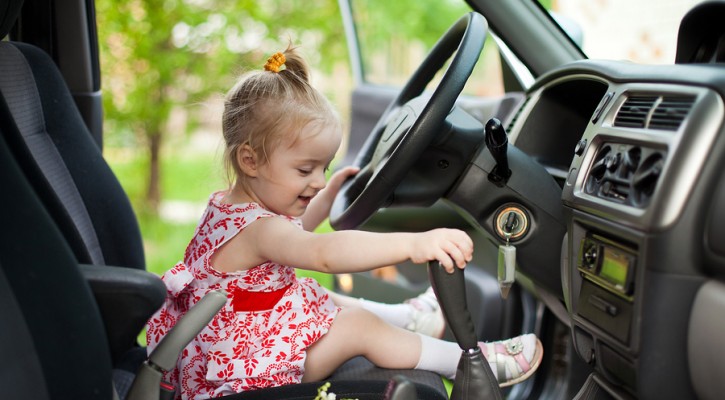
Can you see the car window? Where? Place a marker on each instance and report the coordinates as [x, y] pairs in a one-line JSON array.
[[395, 36], [643, 31]]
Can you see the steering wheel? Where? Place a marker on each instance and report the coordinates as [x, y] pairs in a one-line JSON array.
[[409, 124]]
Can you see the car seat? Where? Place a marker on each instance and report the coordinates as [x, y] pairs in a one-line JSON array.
[[52, 342], [49, 141], [53, 338]]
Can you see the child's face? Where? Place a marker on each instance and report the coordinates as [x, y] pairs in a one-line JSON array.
[[293, 175]]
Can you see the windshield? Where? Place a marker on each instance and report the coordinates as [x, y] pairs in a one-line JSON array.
[[642, 31]]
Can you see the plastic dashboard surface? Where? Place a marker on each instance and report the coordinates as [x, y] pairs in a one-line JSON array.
[[638, 151]]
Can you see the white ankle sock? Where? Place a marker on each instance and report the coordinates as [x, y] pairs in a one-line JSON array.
[[438, 356], [395, 314], [442, 357]]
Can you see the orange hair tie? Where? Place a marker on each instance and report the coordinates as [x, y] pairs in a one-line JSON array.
[[274, 62]]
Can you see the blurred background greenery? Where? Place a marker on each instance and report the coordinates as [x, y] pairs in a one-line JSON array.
[[166, 65]]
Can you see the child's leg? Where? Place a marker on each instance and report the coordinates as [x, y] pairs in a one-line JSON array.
[[356, 332], [420, 314]]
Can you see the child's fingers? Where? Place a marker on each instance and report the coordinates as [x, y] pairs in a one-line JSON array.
[[460, 258], [456, 254], [463, 244], [467, 250], [340, 176], [351, 170], [450, 247], [446, 262], [348, 172], [443, 258]]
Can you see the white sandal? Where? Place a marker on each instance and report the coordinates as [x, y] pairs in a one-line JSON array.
[[508, 358], [426, 315]]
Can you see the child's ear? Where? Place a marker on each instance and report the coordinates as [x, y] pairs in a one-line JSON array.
[[247, 160]]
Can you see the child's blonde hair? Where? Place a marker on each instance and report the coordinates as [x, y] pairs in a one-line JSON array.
[[266, 107]]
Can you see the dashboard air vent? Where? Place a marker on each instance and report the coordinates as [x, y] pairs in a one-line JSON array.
[[634, 111], [645, 178], [625, 173], [652, 111], [670, 112]]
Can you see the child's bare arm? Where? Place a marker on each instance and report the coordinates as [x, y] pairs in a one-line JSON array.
[[353, 251], [319, 208]]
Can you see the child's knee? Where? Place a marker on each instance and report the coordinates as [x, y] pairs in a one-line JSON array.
[[358, 320]]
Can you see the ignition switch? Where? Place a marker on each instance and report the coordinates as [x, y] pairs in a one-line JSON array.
[[511, 220]]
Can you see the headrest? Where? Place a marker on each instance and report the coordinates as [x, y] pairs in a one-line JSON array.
[[701, 38], [9, 11]]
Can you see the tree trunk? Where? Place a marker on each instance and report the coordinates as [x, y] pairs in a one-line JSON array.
[[153, 192]]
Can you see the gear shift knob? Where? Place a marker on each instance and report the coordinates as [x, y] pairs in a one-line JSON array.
[[497, 143], [474, 378]]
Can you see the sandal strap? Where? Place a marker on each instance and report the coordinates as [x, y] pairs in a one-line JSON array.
[[500, 355]]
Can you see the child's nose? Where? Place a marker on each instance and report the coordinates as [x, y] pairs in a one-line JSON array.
[[319, 182]]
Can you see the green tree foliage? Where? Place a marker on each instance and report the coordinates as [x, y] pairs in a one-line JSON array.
[[385, 25], [160, 54], [425, 20]]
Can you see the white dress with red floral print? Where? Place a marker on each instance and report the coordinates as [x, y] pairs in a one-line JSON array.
[[259, 338]]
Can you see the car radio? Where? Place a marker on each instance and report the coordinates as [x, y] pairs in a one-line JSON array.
[[608, 264]]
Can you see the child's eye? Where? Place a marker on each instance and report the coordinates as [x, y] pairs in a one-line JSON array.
[[304, 171]]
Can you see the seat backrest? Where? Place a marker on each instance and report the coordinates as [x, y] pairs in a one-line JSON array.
[[56, 150], [52, 340], [47, 137]]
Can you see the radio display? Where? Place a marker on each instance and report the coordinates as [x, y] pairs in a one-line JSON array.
[[615, 267]]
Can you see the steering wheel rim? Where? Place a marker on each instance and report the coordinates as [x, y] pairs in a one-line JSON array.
[[409, 124]]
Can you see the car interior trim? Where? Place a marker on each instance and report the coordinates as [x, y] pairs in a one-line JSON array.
[[686, 151], [706, 344]]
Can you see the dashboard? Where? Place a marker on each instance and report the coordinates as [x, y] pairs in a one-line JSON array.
[[638, 152]]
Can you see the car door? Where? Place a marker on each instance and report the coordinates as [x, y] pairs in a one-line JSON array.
[[387, 41]]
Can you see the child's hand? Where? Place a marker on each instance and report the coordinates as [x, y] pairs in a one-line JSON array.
[[451, 247], [319, 209], [337, 179]]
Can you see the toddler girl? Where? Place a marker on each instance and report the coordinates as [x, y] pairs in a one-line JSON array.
[[281, 136]]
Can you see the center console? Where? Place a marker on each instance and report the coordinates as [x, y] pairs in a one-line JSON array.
[[633, 172]]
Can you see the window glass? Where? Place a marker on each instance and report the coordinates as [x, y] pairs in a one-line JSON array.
[[395, 36], [643, 31]]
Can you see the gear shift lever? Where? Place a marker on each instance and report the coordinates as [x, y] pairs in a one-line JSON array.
[[474, 378], [497, 142]]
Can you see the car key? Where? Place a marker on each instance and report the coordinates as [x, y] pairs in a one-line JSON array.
[[506, 260]]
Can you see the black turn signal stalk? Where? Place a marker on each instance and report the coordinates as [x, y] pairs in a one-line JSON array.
[[497, 143]]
